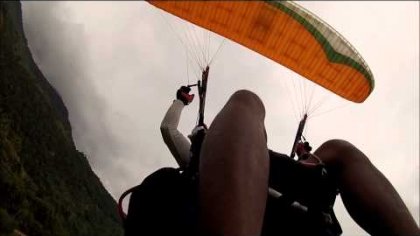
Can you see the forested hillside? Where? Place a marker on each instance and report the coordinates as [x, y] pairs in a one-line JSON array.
[[46, 185]]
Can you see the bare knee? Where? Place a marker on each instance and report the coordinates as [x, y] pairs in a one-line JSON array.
[[249, 100], [338, 153]]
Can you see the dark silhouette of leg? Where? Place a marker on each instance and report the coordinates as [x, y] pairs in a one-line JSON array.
[[233, 169], [368, 196]]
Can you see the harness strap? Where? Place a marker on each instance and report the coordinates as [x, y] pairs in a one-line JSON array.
[[121, 212]]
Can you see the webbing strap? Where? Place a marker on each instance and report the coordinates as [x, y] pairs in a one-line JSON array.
[[121, 212]]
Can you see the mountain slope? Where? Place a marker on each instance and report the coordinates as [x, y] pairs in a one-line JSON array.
[[46, 186]]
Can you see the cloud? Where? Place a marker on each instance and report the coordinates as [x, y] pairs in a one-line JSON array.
[[62, 51]]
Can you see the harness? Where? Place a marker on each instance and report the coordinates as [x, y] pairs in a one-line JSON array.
[[316, 203], [306, 193]]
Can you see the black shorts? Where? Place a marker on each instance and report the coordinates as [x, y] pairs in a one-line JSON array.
[[166, 203], [307, 185]]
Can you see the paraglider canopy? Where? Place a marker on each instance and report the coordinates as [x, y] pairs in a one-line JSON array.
[[287, 34]]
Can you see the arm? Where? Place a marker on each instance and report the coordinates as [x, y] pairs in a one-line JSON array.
[[177, 143]]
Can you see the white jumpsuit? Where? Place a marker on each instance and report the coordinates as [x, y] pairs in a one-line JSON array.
[[177, 143]]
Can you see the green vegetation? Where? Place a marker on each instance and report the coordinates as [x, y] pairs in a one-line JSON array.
[[46, 186]]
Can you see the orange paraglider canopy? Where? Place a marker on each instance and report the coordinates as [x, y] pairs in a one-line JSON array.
[[288, 34]]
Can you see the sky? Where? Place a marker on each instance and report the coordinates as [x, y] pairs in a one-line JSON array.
[[117, 67]]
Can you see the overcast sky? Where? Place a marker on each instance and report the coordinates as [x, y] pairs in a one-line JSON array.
[[118, 65]]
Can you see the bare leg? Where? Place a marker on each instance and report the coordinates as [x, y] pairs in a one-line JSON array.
[[368, 196], [234, 169]]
